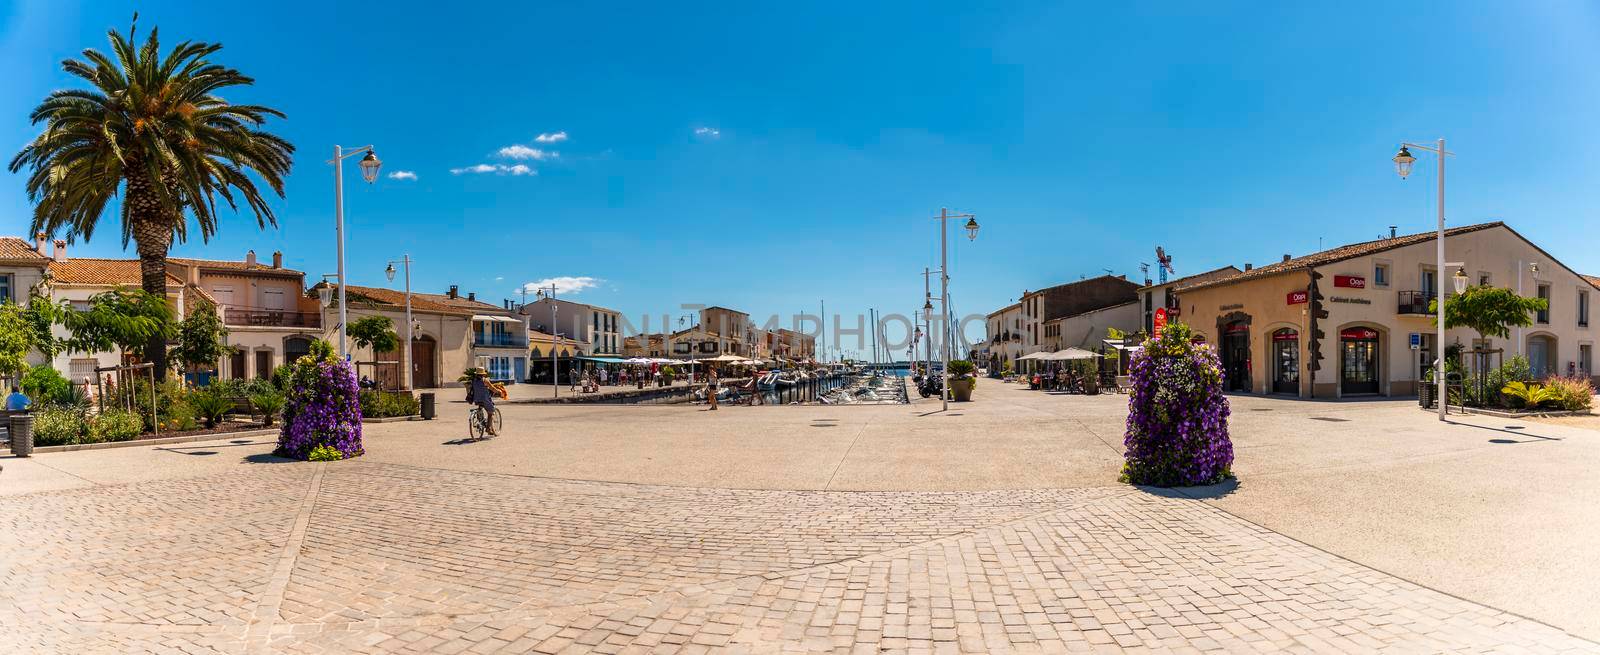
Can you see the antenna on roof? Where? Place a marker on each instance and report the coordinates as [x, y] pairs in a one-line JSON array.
[[1165, 260]]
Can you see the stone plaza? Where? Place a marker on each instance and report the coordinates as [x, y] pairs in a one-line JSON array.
[[998, 526]]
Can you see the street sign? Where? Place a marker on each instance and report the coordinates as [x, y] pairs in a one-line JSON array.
[[1416, 340], [1160, 322]]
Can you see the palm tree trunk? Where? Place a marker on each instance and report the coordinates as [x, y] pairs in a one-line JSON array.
[[151, 229]]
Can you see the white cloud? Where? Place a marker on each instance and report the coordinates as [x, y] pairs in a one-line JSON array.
[[564, 284], [403, 175], [498, 169], [524, 152], [708, 132], [551, 137]]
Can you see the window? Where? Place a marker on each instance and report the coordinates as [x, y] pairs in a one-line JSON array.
[[1380, 275], [1586, 359], [5, 288], [1583, 309], [272, 298], [1544, 314], [81, 369], [1483, 279], [224, 296], [1430, 283]]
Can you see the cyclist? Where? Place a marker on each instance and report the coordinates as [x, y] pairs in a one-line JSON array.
[[478, 393]]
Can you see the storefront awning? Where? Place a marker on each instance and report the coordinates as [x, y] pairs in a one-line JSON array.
[[492, 319], [601, 360]]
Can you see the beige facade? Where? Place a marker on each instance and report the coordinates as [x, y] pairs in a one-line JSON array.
[[1069, 299], [1376, 295], [598, 328], [1004, 330], [1089, 329], [270, 320]]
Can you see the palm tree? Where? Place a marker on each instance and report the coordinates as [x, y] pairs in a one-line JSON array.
[[153, 126]]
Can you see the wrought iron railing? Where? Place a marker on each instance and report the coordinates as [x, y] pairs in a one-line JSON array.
[[271, 318], [1415, 302]]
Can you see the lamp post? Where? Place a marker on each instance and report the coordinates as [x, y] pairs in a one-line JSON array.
[[555, 338], [944, 288], [1533, 271], [405, 262], [369, 172], [1402, 165]]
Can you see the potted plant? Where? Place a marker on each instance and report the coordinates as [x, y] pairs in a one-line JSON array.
[[962, 380]]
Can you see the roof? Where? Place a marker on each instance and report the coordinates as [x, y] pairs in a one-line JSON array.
[[1091, 311], [13, 249], [231, 265], [1591, 279], [726, 310], [458, 302], [1085, 281], [1339, 254], [1007, 308], [106, 272], [420, 302], [1188, 280]]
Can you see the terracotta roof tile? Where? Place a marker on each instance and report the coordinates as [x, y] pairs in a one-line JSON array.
[[459, 302], [1593, 279], [420, 302], [1188, 280], [14, 249], [1335, 255], [107, 272], [234, 265]]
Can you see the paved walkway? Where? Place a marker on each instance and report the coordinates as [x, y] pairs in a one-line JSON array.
[[996, 527]]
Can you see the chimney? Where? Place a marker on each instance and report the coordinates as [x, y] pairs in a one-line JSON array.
[[1391, 231], [1248, 266], [250, 258], [193, 276], [455, 292], [41, 243], [277, 259], [61, 250], [472, 295], [1285, 256]]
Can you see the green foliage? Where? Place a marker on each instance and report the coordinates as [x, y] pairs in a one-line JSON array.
[[119, 319], [1488, 310], [58, 426], [269, 404], [385, 404], [325, 453], [375, 332], [1529, 395], [202, 338], [16, 339], [961, 368], [115, 425], [280, 377], [1574, 394], [44, 384], [321, 350], [210, 406], [1113, 333], [179, 416]]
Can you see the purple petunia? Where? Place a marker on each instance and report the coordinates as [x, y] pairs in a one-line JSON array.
[[323, 409], [1177, 416]]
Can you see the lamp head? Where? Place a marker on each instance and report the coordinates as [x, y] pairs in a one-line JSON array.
[[972, 229], [1460, 280], [325, 294], [389, 272], [370, 165], [1403, 161], [1533, 267]]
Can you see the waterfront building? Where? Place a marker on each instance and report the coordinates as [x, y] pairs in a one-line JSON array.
[[795, 345], [451, 333], [1162, 296], [645, 345], [1003, 345], [1071, 299], [597, 328], [1378, 337], [1088, 330], [499, 336]]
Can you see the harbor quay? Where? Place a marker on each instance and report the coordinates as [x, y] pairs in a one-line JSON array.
[[998, 526]]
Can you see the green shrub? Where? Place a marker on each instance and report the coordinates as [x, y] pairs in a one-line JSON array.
[[210, 406], [58, 426], [280, 377], [269, 404], [44, 383], [325, 453], [1527, 395], [115, 425], [381, 404], [1574, 394], [961, 368], [180, 416]]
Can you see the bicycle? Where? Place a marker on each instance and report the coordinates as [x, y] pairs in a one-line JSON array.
[[478, 424]]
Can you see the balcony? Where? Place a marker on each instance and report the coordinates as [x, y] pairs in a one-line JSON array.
[[235, 317], [1416, 302], [499, 341]]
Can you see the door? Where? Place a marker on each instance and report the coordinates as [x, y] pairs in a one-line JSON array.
[[1236, 356], [1539, 356], [236, 367], [387, 368], [263, 364], [1358, 368], [422, 376], [1286, 361]]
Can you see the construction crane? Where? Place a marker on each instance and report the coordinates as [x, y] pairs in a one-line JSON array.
[[1165, 261]]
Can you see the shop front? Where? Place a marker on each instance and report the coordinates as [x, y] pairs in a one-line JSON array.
[[1234, 347], [1286, 361], [1359, 360]]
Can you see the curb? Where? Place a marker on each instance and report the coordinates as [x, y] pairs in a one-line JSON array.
[[154, 442]]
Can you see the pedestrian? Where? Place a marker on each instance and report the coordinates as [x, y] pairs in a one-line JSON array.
[[711, 388], [602, 376], [17, 401]]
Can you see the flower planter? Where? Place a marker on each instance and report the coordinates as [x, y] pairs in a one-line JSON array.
[[961, 389]]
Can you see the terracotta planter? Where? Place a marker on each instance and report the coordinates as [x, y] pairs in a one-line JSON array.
[[961, 390]]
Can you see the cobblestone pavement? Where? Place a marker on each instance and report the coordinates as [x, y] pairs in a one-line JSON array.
[[369, 557]]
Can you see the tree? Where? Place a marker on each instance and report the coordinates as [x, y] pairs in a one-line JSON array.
[[151, 128], [202, 338], [26, 330], [1490, 311], [122, 319], [375, 332]]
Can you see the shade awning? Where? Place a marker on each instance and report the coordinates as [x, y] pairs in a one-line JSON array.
[[1040, 355], [1072, 354], [724, 358], [601, 360], [495, 319]]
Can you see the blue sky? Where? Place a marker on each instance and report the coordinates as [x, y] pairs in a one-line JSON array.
[[765, 156]]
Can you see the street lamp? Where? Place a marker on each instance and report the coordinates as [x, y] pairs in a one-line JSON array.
[[972, 229], [1460, 280], [944, 288], [1402, 165], [555, 339], [369, 172], [405, 262]]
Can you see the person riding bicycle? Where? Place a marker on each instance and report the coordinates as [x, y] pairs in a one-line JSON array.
[[478, 393]]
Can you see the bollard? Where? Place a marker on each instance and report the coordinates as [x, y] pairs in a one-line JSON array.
[[21, 431], [427, 406]]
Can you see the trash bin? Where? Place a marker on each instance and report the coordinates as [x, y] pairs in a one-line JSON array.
[[1425, 395], [21, 431], [427, 406]]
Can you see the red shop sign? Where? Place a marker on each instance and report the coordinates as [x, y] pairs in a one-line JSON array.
[[1160, 322], [1350, 281], [1359, 334], [1286, 335], [1237, 328], [1299, 297]]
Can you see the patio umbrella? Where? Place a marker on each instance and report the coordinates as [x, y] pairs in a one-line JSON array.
[[1071, 354]]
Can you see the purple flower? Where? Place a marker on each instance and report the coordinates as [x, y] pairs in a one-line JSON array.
[[323, 409], [1177, 428]]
